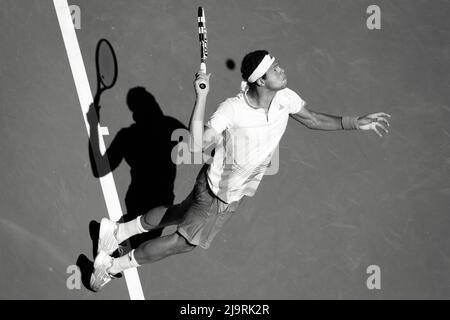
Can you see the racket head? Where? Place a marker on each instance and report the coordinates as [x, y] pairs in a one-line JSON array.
[[106, 64], [202, 34]]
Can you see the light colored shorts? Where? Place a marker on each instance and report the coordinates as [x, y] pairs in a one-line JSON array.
[[205, 214]]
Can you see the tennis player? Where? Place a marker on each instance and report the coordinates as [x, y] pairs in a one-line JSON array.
[[245, 131]]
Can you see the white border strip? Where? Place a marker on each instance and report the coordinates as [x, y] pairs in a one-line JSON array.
[[85, 97]]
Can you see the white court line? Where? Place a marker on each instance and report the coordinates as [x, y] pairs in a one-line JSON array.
[[85, 97]]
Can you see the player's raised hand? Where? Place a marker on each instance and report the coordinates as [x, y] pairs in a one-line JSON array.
[[374, 121], [201, 78]]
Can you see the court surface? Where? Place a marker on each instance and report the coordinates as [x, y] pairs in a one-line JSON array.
[[340, 202]]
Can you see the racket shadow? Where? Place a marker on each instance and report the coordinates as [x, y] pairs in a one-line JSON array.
[[106, 67]]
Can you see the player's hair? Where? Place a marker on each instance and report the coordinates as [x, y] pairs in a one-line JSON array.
[[251, 62]]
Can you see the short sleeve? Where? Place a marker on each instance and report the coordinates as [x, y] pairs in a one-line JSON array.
[[293, 100], [222, 119]]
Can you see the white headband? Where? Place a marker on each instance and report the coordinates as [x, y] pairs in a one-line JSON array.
[[261, 69]]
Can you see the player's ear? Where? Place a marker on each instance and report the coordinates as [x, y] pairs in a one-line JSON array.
[[260, 82]]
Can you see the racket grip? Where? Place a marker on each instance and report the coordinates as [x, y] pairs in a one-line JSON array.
[[203, 70]]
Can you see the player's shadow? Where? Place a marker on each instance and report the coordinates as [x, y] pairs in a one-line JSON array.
[[146, 146]]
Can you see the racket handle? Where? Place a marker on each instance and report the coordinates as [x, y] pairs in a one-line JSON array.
[[202, 69], [97, 98]]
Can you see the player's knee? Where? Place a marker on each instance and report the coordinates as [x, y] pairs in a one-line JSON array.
[[182, 245]]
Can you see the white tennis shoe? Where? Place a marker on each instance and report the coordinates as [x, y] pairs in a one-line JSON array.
[[101, 276], [107, 241]]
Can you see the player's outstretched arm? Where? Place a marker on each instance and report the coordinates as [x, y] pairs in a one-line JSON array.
[[322, 121], [317, 120]]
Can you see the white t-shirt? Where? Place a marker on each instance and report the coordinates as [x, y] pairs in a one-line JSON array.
[[248, 140]]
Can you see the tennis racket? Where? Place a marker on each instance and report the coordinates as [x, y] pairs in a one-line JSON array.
[[106, 66], [203, 38]]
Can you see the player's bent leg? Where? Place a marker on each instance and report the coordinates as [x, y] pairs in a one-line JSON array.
[[163, 216], [160, 248], [158, 217]]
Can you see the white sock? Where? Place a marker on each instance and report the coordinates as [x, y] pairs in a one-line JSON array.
[[129, 229], [123, 263]]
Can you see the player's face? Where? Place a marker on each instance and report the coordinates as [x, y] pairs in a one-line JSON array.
[[275, 77]]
